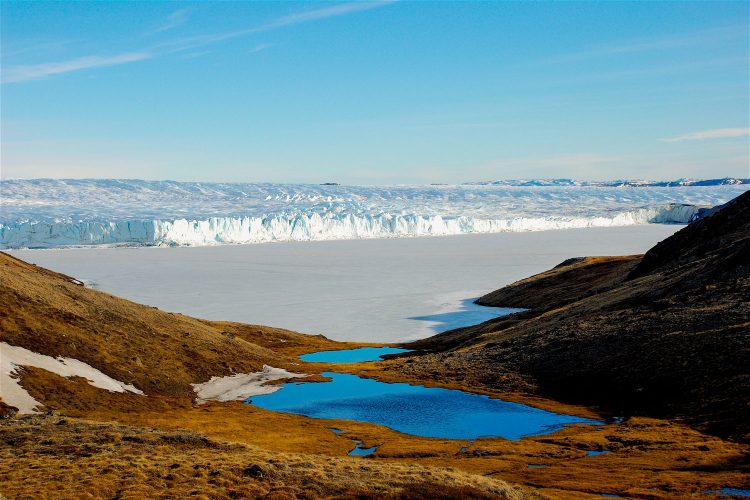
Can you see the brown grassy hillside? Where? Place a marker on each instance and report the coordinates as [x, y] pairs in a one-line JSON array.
[[55, 457], [160, 353]]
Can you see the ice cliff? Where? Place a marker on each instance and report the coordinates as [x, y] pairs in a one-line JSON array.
[[46, 213]]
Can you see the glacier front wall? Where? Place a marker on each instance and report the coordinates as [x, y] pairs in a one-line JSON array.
[[306, 227]]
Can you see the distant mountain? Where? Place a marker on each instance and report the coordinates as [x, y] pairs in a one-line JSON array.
[[726, 181]]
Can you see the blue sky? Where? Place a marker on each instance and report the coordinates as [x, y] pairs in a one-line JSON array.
[[374, 93]]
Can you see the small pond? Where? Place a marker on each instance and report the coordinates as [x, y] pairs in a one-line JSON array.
[[417, 410], [593, 453], [359, 355], [729, 492], [360, 451]]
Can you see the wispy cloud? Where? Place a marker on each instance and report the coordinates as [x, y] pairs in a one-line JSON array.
[[656, 71], [175, 19], [37, 71], [15, 74], [9, 50], [719, 133], [326, 12], [281, 22], [259, 47], [676, 41]]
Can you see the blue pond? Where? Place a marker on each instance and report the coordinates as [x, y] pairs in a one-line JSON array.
[[417, 410], [359, 451], [730, 492], [351, 355]]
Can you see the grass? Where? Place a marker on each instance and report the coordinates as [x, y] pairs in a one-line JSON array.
[[56, 457]]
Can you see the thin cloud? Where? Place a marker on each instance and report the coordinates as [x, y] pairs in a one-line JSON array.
[[17, 74], [259, 47], [647, 72], [281, 22], [677, 41], [11, 51], [36, 71], [719, 133], [324, 13], [175, 19]]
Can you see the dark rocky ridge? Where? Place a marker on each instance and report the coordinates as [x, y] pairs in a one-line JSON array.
[[667, 335], [568, 281]]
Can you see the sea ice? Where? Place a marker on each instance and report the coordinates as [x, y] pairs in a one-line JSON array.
[[362, 290]]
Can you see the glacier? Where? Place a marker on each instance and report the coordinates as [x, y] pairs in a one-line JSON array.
[[47, 213]]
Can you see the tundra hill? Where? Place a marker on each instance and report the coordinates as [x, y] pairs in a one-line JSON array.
[[665, 335], [158, 352]]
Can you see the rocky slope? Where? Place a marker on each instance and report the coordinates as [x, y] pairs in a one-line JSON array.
[[665, 335]]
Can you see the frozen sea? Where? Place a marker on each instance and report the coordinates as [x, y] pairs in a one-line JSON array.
[[350, 262], [381, 290]]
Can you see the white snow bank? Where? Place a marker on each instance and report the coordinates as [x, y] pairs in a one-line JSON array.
[[241, 386], [14, 357]]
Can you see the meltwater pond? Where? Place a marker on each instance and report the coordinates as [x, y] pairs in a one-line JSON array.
[[359, 355], [417, 410]]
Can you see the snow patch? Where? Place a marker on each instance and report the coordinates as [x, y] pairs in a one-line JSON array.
[[241, 386], [13, 357]]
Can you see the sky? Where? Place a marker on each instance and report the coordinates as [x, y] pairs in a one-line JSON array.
[[374, 92]]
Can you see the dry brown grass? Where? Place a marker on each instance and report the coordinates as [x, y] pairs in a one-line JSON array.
[[57, 457]]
